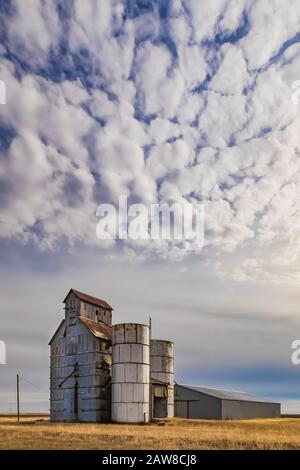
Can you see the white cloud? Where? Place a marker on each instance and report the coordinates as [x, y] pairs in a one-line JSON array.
[[232, 74], [167, 158], [261, 44], [160, 84], [204, 17], [33, 30], [221, 129]]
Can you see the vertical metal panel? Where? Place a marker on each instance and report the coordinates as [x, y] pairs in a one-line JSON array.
[[195, 404], [234, 409], [74, 344], [130, 373], [206, 407], [162, 369]]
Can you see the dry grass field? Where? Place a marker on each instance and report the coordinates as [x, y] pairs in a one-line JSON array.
[[36, 432]]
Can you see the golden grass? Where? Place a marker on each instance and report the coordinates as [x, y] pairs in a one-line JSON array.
[[38, 433]]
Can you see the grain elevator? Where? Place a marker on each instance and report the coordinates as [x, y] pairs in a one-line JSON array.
[[100, 372]]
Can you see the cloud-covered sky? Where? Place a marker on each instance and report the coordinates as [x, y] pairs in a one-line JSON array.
[[166, 100]]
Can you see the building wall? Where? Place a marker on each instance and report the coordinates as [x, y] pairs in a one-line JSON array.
[[196, 405], [162, 368], [130, 373], [75, 307], [73, 344], [72, 308], [233, 409], [96, 313]]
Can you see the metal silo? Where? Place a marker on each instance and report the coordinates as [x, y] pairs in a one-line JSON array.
[[130, 373], [162, 378]]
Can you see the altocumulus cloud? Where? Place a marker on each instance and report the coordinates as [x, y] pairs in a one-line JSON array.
[[160, 101]]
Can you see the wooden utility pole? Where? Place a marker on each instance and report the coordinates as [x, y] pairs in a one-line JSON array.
[[150, 383], [18, 397]]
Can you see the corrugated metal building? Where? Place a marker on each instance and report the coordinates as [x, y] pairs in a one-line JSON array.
[[101, 373], [208, 403], [80, 361]]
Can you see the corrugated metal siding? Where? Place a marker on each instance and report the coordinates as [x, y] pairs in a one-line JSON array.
[[206, 408], [75, 344], [196, 405], [234, 409], [162, 369], [181, 409], [87, 298], [192, 403], [130, 373]]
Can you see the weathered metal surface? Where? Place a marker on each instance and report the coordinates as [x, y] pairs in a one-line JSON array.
[[130, 373], [99, 329], [88, 299], [162, 370], [83, 375], [83, 395], [130, 333], [160, 391]]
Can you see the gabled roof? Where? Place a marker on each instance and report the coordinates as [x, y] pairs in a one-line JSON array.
[[225, 394], [89, 299], [98, 329], [57, 330]]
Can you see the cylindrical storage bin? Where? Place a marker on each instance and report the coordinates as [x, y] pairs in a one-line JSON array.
[[130, 373], [162, 372]]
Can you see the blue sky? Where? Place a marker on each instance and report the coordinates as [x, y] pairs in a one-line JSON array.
[[175, 101]]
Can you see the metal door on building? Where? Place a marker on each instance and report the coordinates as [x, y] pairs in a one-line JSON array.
[[71, 403], [68, 399], [160, 407]]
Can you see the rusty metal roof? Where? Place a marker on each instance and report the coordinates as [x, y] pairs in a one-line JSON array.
[[153, 380], [99, 329], [89, 299]]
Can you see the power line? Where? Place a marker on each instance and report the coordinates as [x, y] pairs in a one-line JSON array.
[[34, 385]]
